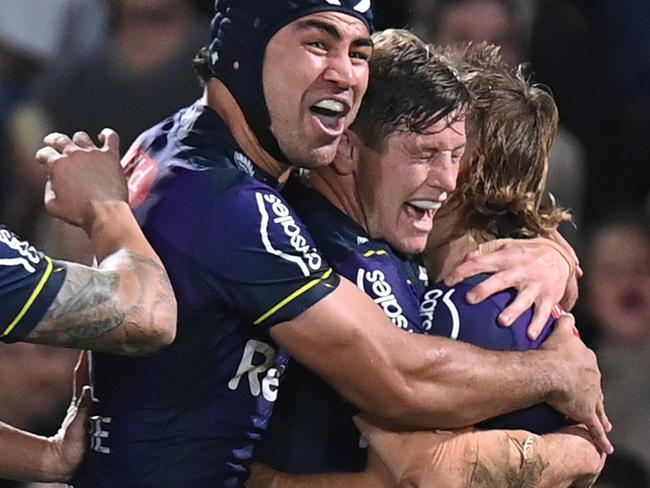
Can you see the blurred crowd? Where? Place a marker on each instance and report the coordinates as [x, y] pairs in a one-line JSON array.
[[68, 65]]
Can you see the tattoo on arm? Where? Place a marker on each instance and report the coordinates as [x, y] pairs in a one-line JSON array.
[[95, 302], [85, 304], [528, 474]]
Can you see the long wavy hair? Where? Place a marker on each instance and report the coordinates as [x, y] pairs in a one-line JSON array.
[[511, 127]]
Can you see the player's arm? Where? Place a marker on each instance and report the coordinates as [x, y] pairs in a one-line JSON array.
[[28, 457], [431, 382], [126, 305], [544, 272], [486, 457], [263, 476]]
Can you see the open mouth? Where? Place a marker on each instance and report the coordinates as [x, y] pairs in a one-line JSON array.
[[331, 115], [421, 212]]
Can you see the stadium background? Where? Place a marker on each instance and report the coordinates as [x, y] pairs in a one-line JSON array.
[[84, 64]]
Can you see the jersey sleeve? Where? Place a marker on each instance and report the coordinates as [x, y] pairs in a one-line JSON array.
[[255, 253], [444, 311], [29, 282]]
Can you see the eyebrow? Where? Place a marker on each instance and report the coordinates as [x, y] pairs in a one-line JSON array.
[[332, 31], [430, 148]]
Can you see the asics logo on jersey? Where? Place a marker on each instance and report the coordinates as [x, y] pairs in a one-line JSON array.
[[428, 308], [274, 212], [362, 7], [374, 284], [28, 255]]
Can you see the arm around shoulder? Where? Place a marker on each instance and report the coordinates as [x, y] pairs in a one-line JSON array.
[[406, 379]]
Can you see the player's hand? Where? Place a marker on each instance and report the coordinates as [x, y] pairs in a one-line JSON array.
[[538, 268], [80, 175], [579, 395], [68, 445]]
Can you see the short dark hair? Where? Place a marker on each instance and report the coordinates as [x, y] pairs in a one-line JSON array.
[[411, 87]]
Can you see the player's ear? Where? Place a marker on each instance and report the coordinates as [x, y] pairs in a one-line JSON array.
[[347, 154]]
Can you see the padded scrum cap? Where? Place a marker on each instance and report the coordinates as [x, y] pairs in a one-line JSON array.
[[241, 29]]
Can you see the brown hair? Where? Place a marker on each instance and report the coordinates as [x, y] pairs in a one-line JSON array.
[[511, 127], [411, 87]]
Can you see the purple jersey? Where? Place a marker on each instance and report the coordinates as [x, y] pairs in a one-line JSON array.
[[445, 312], [311, 430], [240, 261], [29, 282]]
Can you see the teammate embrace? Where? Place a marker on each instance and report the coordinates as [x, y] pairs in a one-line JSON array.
[[283, 83]]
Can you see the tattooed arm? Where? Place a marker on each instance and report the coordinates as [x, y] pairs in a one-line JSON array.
[[470, 458], [125, 307]]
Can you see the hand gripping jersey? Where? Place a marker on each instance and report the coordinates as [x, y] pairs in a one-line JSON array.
[[445, 312], [311, 430], [240, 261], [29, 282]]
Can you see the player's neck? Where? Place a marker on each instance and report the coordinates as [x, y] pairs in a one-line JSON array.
[[219, 98], [340, 191]]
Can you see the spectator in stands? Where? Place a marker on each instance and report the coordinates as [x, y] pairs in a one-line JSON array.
[[617, 300]]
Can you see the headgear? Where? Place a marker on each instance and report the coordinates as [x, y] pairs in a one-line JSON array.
[[241, 29]]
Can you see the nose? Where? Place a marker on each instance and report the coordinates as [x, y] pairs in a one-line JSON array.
[[444, 173], [340, 70]]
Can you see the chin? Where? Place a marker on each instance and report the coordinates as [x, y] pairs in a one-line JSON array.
[[412, 246], [311, 158]]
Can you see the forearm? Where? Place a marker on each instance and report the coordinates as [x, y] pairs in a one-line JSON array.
[[454, 384], [409, 380], [501, 458], [477, 458], [127, 306], [113, 227], [25, 456], [264, 477]]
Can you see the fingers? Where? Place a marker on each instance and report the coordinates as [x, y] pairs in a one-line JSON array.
[[364, 427], [49, 197], [82, 139], [47, 156], [492, 257], [541, 314], [85, 400], [81, 376], [523, 301], [599, 435], [494, 284], [111, 141], [602, 416], [60, 142]]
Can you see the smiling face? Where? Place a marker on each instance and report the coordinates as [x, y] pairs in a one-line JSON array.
[[315, 74], [401, 186]]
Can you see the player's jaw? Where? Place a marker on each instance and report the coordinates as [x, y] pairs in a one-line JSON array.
[[315, 74]]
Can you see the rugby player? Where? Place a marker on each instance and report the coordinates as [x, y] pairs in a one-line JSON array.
[[387, 158], [283, 80], [511, 129], [500, 192], [501, 188], [125, 306]]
